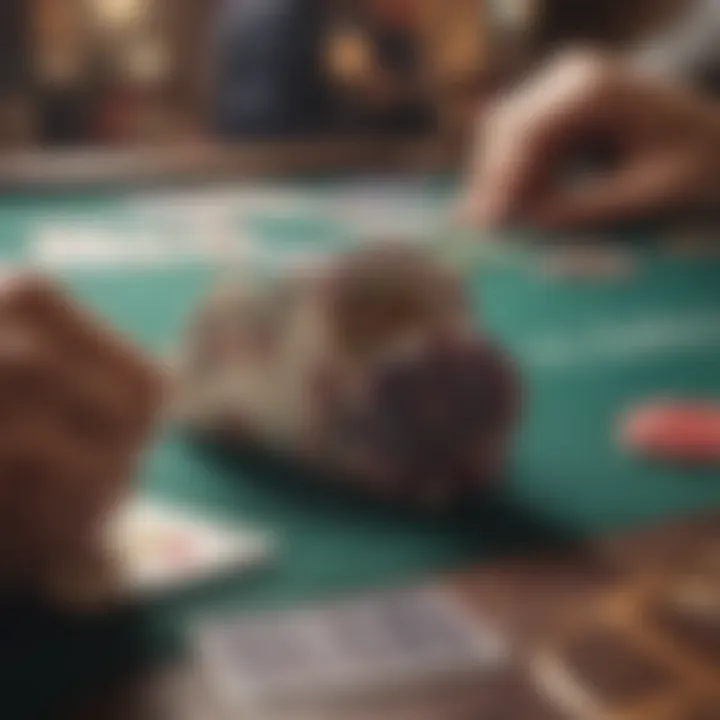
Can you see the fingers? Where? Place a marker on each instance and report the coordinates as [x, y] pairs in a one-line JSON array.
[[640, 188], [509, 159], [525, 139]]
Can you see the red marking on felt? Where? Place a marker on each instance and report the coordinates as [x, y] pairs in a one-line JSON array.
[[683, 431], [181, 549]]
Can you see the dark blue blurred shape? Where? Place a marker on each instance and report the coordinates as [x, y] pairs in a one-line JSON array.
[[14, 45], [269, 78]]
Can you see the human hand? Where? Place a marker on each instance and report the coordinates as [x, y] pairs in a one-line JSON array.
[[664, 139]]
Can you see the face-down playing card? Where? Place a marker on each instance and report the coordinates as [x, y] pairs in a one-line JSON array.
[[345, 652], [619, 628]]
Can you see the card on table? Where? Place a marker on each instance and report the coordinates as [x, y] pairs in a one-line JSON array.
[[159, 547], [624, 627], [275, 663]]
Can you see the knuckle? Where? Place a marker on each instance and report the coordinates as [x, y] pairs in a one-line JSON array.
[[588, 70], [492, 123]]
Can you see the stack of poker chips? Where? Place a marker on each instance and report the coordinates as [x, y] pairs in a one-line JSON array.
[[367, 368]]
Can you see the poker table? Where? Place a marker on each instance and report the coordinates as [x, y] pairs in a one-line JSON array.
[[141, 258]]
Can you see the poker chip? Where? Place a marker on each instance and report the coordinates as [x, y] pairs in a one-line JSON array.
[[676, 432], [437, 422], [380, 292]]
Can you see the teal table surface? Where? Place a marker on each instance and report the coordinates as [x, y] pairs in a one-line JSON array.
[[588, 351]]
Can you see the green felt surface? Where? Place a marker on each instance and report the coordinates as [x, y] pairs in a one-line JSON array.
[[588, 351]]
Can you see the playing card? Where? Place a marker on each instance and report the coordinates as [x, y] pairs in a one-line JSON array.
[[158, 548], [347, 651]]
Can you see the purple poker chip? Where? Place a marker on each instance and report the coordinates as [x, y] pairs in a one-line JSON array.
[[439, 422]]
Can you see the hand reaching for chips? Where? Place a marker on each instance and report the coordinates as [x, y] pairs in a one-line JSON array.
[[663, 139]]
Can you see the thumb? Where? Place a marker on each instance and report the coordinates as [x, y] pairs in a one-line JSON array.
[[635, 190]]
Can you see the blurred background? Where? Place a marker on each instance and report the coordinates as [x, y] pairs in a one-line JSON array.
[[172, 72]]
